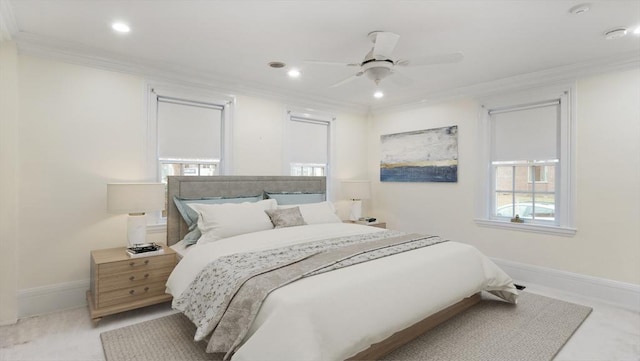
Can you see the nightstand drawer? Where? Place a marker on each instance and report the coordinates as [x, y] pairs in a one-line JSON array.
[[135, 264], [133, 278], [130, 294]]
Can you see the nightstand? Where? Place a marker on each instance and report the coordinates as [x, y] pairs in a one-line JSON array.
[[121, 283], [377, 224]]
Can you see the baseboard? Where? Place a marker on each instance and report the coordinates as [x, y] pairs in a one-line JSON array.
[[42, 300], [62, 296], [620, 294]]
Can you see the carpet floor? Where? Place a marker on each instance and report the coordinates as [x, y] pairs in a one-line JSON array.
[[534, 330]]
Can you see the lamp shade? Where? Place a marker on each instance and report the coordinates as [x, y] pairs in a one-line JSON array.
[[356, 189], [135, 197]]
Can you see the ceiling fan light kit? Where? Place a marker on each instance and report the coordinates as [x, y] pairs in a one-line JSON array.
[[294, 73], [121, 27], [377, 70]]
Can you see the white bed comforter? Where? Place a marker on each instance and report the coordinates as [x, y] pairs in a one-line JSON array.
[[335, 315]]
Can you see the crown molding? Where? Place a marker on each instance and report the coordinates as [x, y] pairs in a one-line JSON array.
[[567, 73], [36, 45], [8, 25], [39, 46]]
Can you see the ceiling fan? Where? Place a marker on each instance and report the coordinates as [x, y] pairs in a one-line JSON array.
[[379, 64]]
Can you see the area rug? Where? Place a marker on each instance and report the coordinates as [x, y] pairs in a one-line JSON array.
[[534, 330]]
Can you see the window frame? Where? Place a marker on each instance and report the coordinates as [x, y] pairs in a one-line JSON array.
[[565, 203], [531, 174], [189, 95]]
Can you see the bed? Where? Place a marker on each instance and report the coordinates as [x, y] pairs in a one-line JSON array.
[[361, 311]]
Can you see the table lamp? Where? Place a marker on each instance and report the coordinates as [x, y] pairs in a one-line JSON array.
[[356, 190], [135, 199]]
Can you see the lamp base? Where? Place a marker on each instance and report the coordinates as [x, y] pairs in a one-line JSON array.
[[136, 229], [356, 210]]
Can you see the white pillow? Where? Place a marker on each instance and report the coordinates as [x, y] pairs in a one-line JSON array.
[[218, 221], [315, 213]]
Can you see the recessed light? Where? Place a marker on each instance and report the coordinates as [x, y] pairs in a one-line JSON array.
[[580, 9], [637, 31], [277, 64], [615, 33], [121, 27], [378, 94], [294, 73]]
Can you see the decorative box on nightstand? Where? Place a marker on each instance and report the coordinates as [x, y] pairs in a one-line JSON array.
[[375, 224], [121, 283]]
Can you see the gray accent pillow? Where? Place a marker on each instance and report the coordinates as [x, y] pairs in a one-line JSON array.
[[287, 217], [285, 198]]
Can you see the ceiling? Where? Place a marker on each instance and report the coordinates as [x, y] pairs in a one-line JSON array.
[[230, 43]]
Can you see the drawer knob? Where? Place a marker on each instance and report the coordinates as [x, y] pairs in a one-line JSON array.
[[132, 292], [146, 275], [132, 278], [146, 289], [146, 261]]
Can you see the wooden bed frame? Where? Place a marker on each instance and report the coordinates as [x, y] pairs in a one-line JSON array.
[[400, 338], [234, 186]]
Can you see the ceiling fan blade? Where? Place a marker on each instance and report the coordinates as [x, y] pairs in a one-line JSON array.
[[384, 44], [432, 60], [322, 62], [344, 81]]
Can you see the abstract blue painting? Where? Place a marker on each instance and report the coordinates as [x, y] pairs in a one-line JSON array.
[[429, 155]]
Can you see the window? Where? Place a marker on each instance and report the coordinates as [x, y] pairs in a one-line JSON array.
[[189, 132], [516, 193], [186, 167], [189, 137], [528, 147], [308, 138], [308, 169]]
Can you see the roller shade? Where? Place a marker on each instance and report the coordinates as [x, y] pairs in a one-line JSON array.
[[526, 133], [309, 140], [188, 130]]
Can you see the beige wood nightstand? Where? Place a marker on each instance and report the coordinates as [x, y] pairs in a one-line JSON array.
[[121, 283], [377, 224]]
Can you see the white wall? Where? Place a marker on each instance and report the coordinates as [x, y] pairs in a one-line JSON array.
[[81, 128], [8, 179], [607, 244]]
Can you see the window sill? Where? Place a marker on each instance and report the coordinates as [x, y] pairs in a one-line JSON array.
[[528, 227]]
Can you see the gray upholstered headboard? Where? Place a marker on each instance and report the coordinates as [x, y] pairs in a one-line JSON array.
[[229, 186]]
